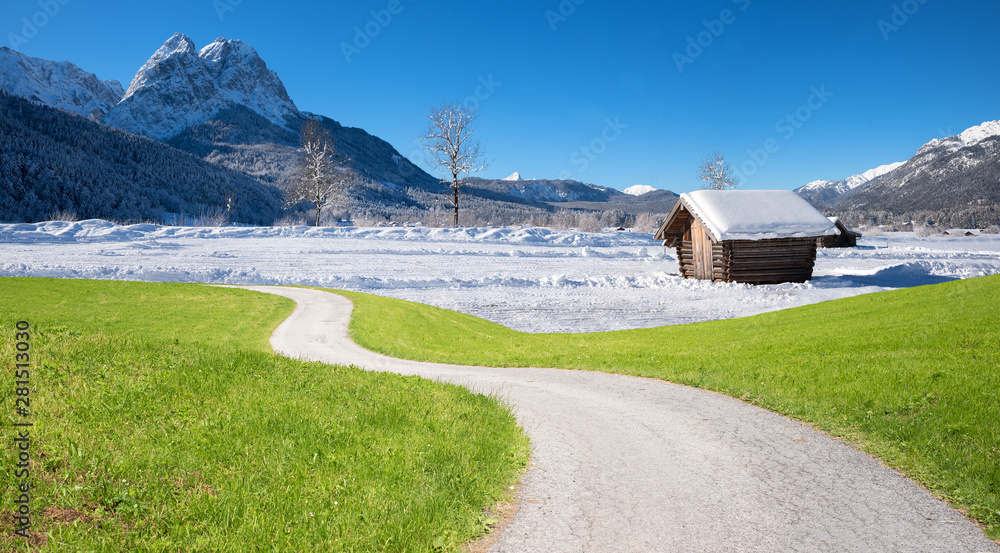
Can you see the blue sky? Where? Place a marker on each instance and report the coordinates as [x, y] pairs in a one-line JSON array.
[[611, 93]]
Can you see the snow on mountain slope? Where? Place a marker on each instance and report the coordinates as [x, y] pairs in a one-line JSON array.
[[969, 137], [638, 190], [60, 85], [824, 191], [870, 175], [954, 174], [818, 185], [946, 174], [514, 177], [243, 76], [977, 134], [179, 87]]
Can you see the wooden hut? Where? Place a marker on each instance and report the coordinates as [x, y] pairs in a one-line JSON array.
[[752, 236], [845, 237]]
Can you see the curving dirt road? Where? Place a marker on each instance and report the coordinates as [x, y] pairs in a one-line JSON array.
[[633, 465]]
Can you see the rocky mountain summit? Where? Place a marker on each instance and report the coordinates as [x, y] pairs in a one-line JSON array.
[[179, 87], [58, 84]]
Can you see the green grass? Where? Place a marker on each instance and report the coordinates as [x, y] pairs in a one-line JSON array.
[[911, 376], [163, 422]]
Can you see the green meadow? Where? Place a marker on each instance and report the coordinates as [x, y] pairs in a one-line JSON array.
[[163, 422], [911, 376]]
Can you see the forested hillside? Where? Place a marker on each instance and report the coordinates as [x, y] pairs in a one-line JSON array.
[[53, 161]]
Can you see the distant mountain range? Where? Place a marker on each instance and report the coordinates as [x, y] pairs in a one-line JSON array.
[[226, 107], [822, 191], [223, 104], [953, 181], [570, 194]]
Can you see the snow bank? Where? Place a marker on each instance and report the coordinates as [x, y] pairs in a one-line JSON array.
[[531, 279], [95, 230]]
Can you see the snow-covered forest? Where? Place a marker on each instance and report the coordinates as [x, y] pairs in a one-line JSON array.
[[55, 162]]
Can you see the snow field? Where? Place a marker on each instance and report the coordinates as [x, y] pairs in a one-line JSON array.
[[531, 279]]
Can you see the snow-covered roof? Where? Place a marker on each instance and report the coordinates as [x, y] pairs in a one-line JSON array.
[[756, 214], [842, 227]]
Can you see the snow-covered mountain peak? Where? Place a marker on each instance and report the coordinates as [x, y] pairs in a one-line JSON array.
[[180, 86], [817, 184], [977, 134], [639, 190], [176, 56], [223, 50], [245, 78], [822, 191], [179, 44], [968, 137], [870, 175], [514, 177], [60, 85], [944, 173]]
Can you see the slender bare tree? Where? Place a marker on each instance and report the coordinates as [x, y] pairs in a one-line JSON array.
[[230, 198], [322, 176], [450, 143], [716, 173]]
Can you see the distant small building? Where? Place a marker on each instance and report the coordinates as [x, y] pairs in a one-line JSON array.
[[845, 238], [751, 236]]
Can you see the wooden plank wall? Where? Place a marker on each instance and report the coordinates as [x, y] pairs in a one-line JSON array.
[[753, 262], [770, 261], [838, 241], [686, 260]]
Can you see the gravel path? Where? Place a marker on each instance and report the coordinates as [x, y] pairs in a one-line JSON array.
[[631, 464]]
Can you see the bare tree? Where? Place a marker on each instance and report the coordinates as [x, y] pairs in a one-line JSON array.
[[322, 175], [230, 206], [450, 143], [716, 173]]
